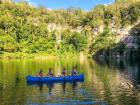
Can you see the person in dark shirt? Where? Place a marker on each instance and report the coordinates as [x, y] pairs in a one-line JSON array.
[[63, 73], [74, 72], [41, 73], [50, 73]]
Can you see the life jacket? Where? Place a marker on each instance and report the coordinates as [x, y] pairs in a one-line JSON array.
[[74, 72], [41, 74], [50, 74], [63, 73]]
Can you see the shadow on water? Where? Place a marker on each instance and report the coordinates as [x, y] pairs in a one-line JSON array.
[[128, 68], [63, 87], [51, 85], [74, 86]]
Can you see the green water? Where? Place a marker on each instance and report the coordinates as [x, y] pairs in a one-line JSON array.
[[106, 82]]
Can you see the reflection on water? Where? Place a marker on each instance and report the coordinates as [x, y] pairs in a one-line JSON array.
[[130, 69], [64, 87], [111, 82], [50, 86]]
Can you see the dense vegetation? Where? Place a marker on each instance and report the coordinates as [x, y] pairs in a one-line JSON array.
[[25, 29]]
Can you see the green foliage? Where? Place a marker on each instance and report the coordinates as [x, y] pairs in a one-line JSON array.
[[74, 41], [78, 41], [24, 28], [103, 41], [8, 44], [125, 1]]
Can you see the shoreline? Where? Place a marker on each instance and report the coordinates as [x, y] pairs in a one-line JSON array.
[[20, 55]]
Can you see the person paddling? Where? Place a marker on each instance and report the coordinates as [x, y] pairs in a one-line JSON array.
[[63, 73], [74, 72], [50, 73], [41, 73]]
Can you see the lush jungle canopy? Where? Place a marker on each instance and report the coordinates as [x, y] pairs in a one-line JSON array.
[[25, 29]]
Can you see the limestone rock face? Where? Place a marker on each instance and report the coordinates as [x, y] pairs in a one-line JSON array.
[[131, 40], [128, 35]]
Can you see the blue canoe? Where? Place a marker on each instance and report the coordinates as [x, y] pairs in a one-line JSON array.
[[55, 79]]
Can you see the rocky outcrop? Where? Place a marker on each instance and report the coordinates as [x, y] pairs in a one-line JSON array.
[[131, 40], [127, 44]]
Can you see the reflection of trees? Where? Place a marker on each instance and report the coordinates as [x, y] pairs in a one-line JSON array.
[[103, 78], [104, 84], [13, 71], [113, 81], [129, 97], [107, 80], [129, 68], [86, 67], [16, 93], [1, 77]]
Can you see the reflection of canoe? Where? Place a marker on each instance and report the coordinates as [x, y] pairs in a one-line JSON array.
[[55, 79], [30, 83], [54, 82]]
